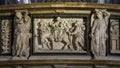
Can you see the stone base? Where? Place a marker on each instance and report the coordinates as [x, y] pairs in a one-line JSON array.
[[100, 58], [19, 58]]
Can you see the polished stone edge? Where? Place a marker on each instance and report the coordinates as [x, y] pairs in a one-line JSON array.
[[61, 5], [73, 62], [58, 11]]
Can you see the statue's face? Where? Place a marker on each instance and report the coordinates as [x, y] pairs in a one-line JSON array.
[[18, 15], [25, 13], [99, 14]]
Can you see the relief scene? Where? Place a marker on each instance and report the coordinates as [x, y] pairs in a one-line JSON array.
[[59, 34]]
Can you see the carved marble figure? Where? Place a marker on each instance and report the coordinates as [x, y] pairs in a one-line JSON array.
[[44, 34], [57, 28], [60, 29], [21, 35], [77, 32], [99, 24]]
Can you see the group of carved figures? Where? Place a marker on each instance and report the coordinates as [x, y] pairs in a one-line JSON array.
[[61, 31], [70, 35]]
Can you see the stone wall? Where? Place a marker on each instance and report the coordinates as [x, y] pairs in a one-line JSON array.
[[60, 35]]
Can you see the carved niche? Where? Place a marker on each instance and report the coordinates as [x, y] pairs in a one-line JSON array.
[[59, 35], [115, 35], [5, 36]]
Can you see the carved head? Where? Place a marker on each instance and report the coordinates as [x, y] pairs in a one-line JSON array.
[[19, 15], [78, 23], [99, 13], [25, 13], [57, 19]]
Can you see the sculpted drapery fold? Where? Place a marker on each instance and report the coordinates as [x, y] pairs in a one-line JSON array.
[[99, 24], [21, 35]]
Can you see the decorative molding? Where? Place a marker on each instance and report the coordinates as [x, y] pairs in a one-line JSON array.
[[75, 5], [56, 62]]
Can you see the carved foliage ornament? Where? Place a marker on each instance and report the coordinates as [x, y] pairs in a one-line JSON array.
[[6, 36]]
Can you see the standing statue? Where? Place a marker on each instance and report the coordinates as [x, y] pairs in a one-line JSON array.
[[21, 35], [99, 24]]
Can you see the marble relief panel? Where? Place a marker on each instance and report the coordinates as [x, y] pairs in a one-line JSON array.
[[59, 35], [115, 35], [5, 36]]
